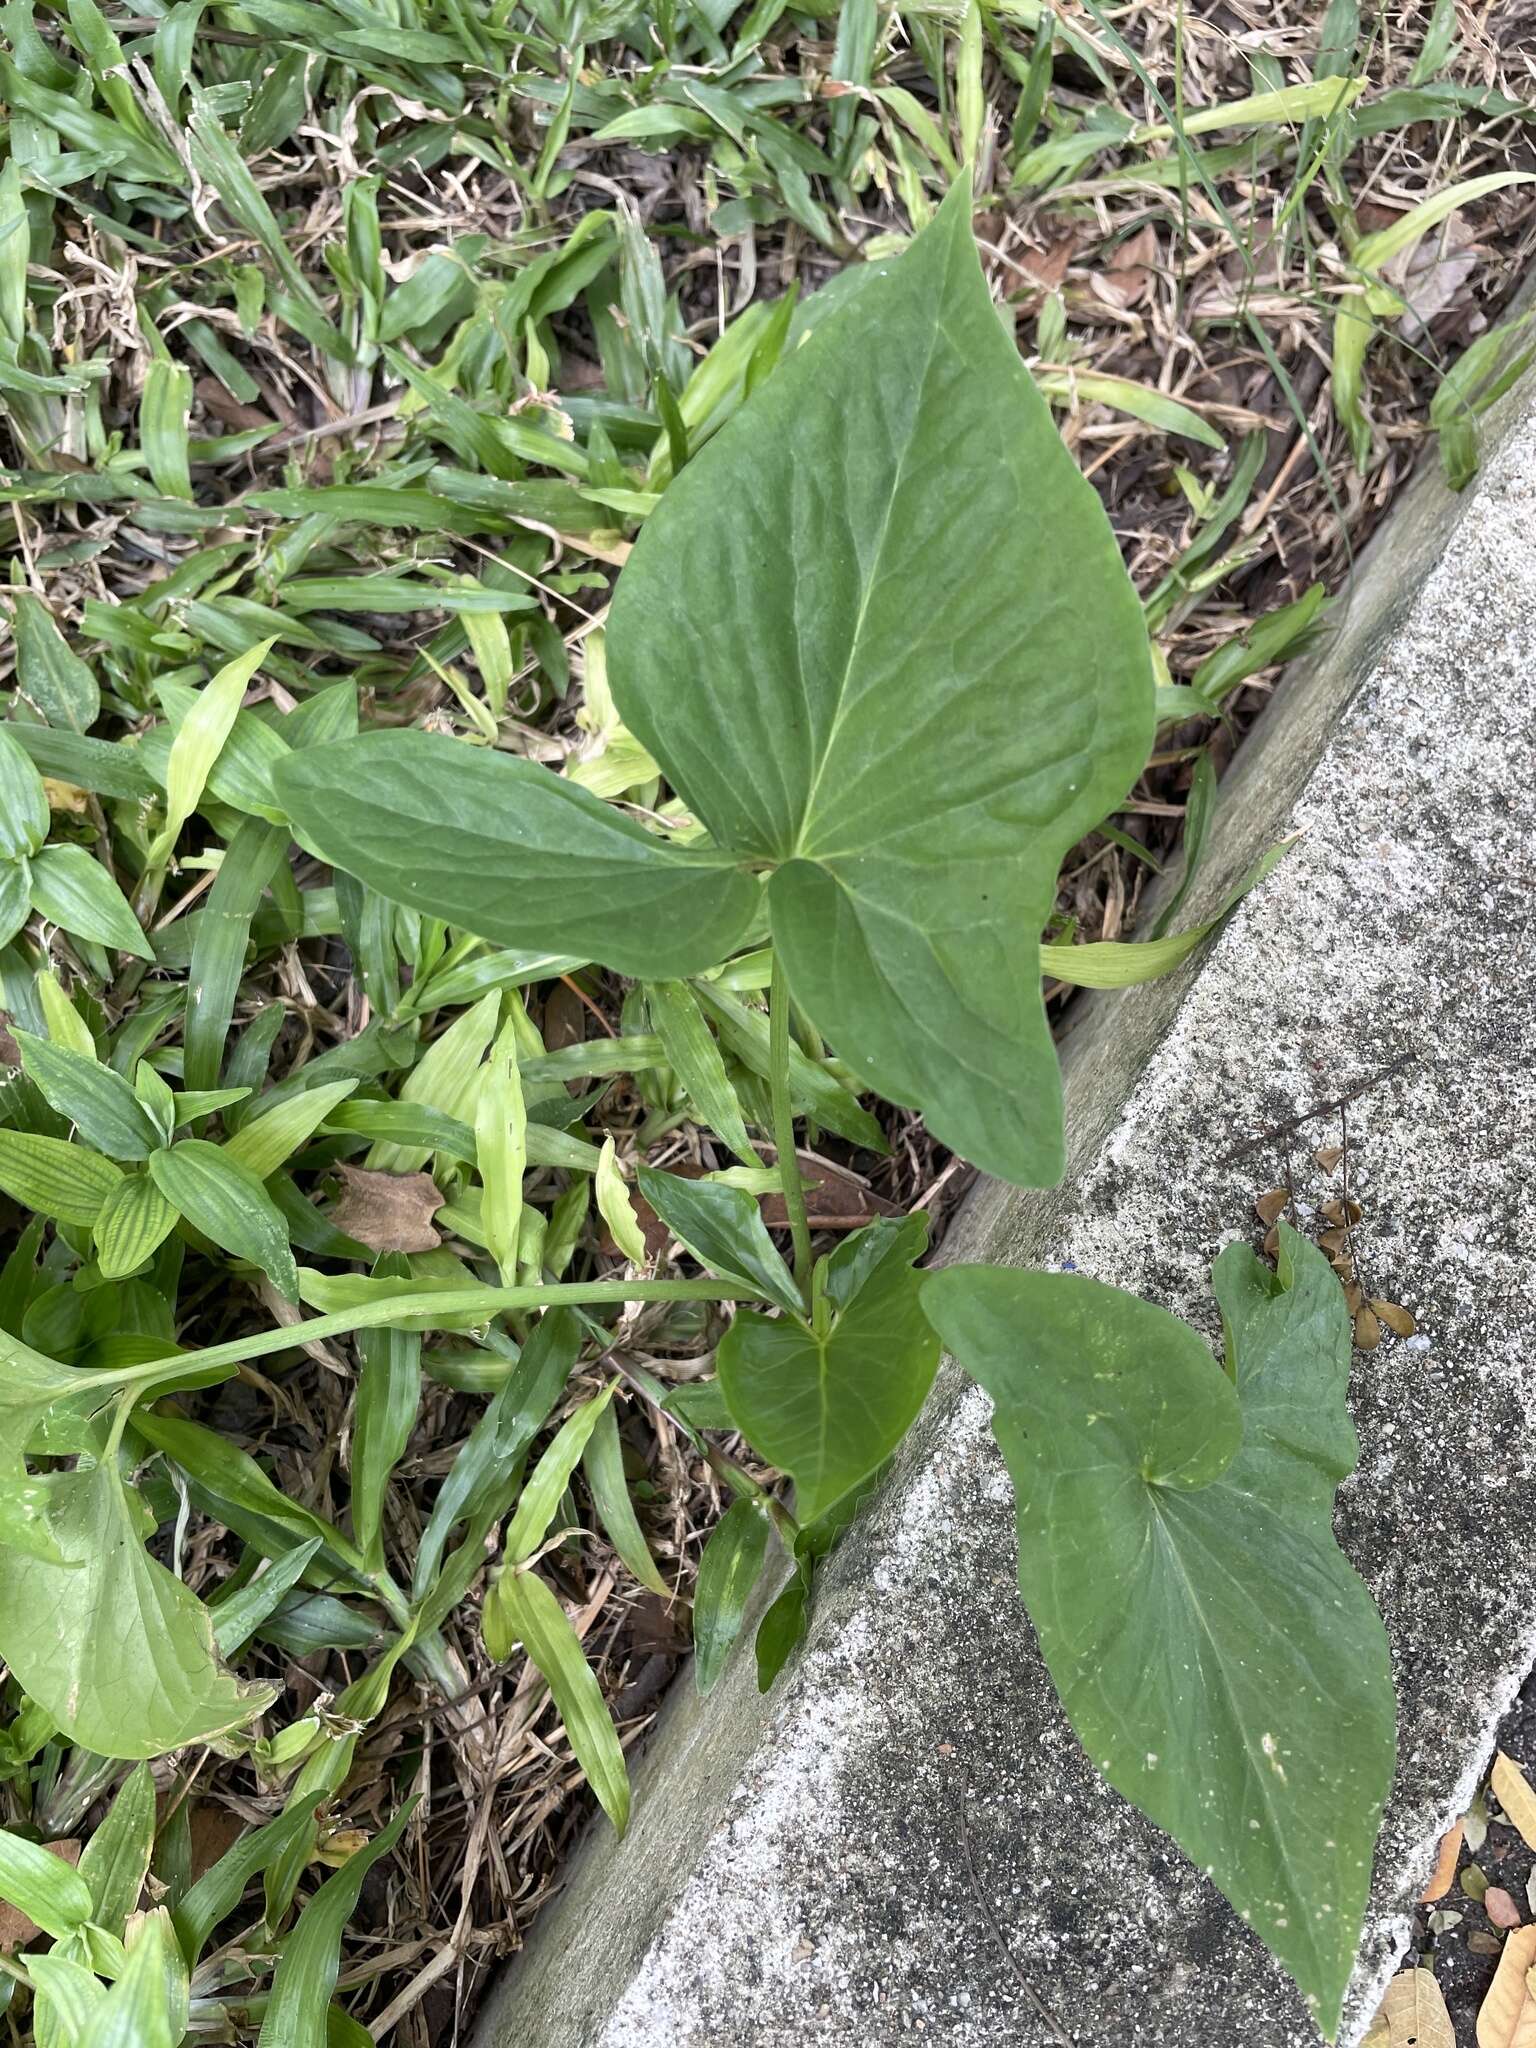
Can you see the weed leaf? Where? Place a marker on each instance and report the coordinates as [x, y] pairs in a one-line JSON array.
[[110, 1643]]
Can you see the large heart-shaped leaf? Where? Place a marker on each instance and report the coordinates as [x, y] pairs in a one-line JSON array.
[[829, 1404], [879, 636], [879, 632], [1218, 1657]]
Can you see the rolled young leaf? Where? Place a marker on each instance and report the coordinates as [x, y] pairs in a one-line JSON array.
[[1220, 1660]]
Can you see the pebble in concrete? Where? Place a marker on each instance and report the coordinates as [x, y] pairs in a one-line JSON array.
[[906, 1844]]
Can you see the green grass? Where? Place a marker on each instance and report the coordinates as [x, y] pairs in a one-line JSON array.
[[374, 334]]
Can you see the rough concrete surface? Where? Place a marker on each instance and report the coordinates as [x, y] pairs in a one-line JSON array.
[[905, 1842]]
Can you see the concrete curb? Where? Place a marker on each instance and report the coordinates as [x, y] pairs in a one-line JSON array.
[[903, 1842]]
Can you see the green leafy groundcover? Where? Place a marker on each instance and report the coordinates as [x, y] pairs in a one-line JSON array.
[[878, 641]]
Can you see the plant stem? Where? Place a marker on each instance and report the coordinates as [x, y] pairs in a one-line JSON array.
[[784, 1127], [436, 1304]]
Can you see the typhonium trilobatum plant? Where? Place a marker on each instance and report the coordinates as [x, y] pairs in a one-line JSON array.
[[879, 639]]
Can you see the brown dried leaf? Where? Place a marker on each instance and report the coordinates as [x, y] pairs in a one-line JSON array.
[[1328, 1157], [213, 1829], [835, 1199], [1513, 1791], [1272, 1240], [1334, 1240], [1413, 2011], [1048, 266], [388, 1212], [1482, 1943], [1271, 1207], [1367, 1330], [1131, 271], [16, 1930], [1353, 1297], [1445, 1865], [1508, 2015], [1500, 1907], [1397, 1319]]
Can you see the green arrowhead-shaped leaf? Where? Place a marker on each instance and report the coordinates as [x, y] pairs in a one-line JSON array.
[[110, 1643], [878, 631], [505, 849], [879, 635], [1218, 1657], [829, 1409]]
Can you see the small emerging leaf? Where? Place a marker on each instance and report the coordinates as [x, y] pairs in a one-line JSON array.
[[828, 1407]]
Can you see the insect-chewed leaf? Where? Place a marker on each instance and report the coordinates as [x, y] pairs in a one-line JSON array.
[[508, 850], [938, 680], [829, 1408], [1218, 1657]]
